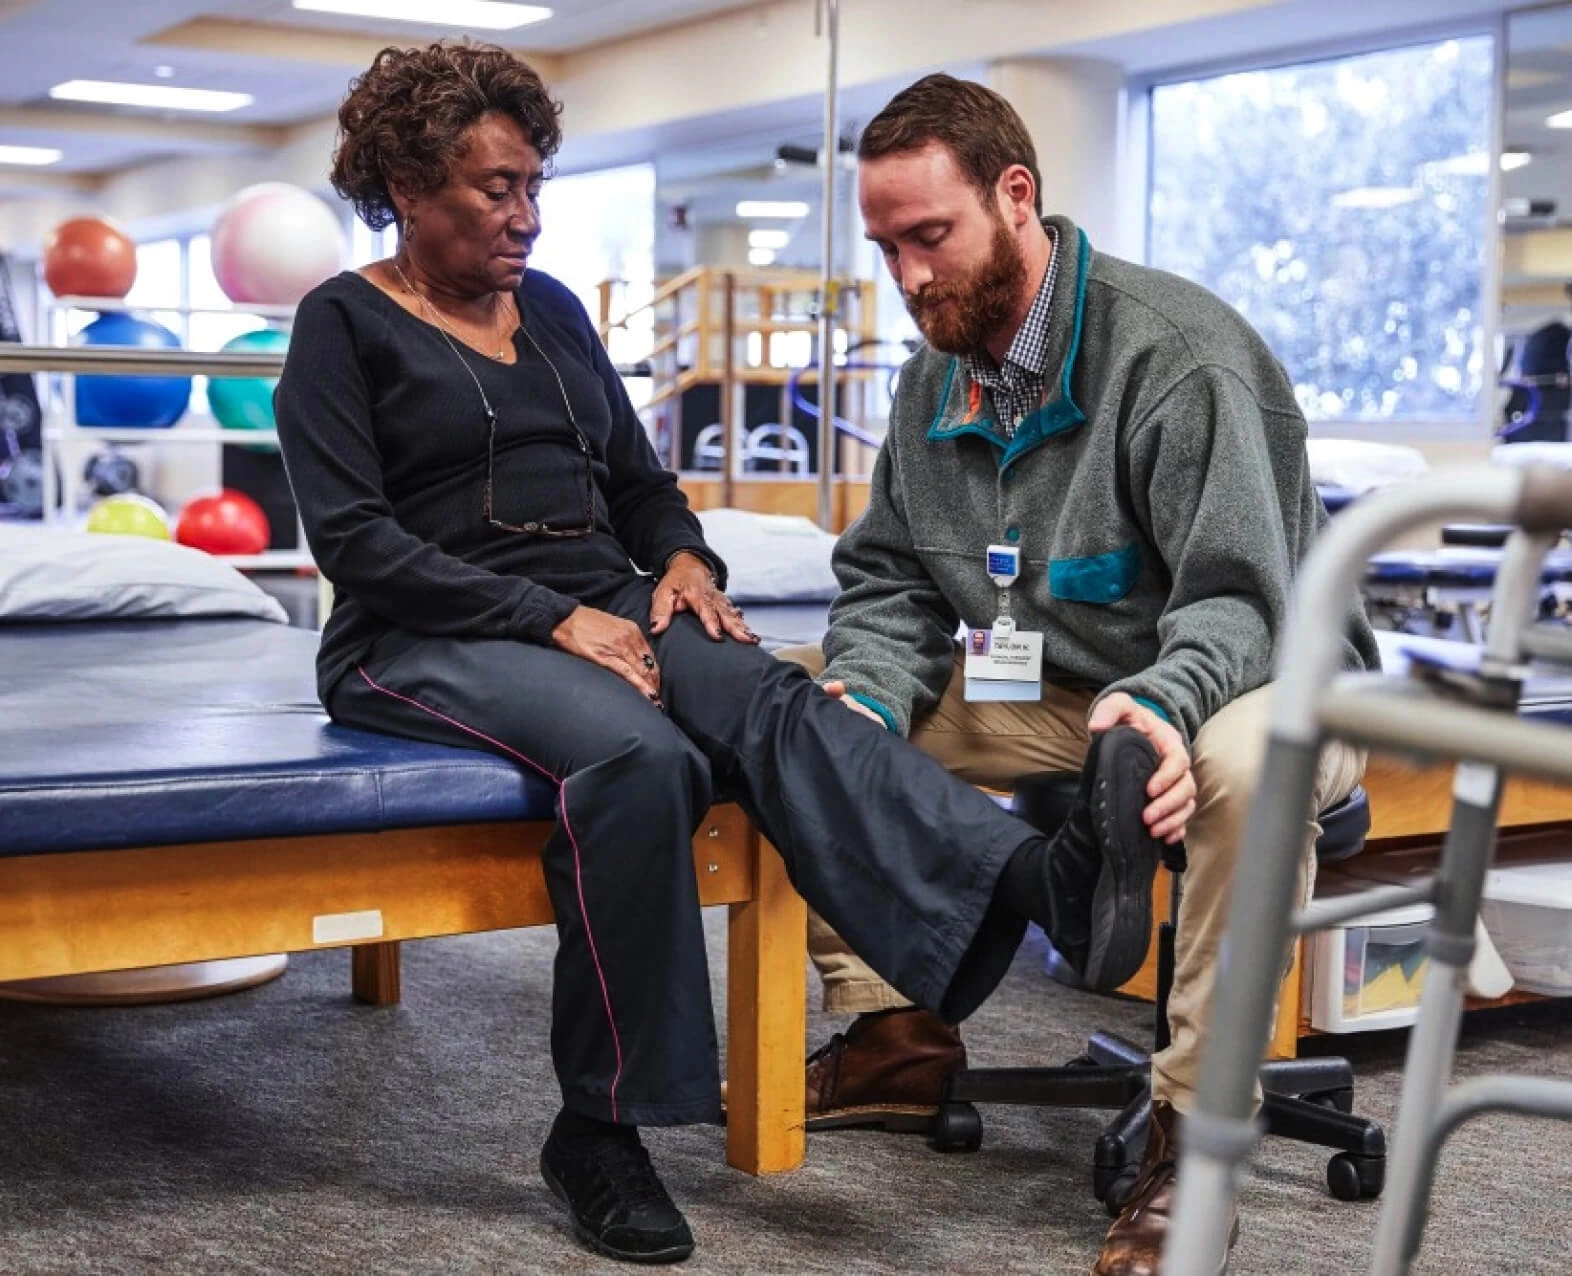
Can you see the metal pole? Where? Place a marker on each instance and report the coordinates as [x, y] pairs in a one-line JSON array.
[[829, 154], [728, 403]]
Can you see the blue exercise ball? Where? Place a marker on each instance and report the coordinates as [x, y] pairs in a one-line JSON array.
[[152, 403]]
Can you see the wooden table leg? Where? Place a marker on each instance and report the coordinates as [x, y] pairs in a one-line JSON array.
[[374, 973], [766, 1021]]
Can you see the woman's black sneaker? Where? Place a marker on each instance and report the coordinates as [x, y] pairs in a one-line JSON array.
[[1102, 861], [602, 1173]]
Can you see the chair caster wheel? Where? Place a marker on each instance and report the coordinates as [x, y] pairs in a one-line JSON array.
[[957, 1127], [1113, 1188], [1355, 1178]]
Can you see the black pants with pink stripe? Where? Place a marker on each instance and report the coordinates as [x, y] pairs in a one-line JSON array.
[[897, 855]]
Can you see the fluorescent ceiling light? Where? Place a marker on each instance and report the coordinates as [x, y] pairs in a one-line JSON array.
[[768, 238], [35, 155], [160, 96], [1375, 197], [772, 208], [1561, 119], [485, 15], [761, 257], [1514, 159]]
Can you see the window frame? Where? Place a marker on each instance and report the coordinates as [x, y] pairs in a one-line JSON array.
[[1140, 165]]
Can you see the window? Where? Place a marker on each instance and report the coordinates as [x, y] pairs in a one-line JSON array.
[[1340, 207], [599, 227]]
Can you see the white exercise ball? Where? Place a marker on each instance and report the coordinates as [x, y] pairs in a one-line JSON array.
[[273, 243]]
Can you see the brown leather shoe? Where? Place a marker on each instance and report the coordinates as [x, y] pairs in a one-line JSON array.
[[1134, 1244], [887, 1071]]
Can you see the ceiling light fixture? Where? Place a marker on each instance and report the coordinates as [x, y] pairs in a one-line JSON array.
[[158, 96], [772, 239], [1561, 119], [1514, 159], [761, 257], [785, 208], [30, 155], [484, 15]]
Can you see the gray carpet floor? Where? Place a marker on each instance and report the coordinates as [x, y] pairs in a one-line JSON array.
[[287, 1130]]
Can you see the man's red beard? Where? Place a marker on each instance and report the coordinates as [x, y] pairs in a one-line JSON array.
[[959, 315]]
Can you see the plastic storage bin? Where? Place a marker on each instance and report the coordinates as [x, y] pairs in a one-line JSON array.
[[1528, 911], [1367, 975]]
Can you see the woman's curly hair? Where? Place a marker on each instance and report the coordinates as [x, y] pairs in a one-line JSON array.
[[402, 121]]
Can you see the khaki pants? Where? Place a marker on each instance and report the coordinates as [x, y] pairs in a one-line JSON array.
[[991, 743]]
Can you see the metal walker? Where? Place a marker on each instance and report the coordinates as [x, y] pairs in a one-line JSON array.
[[1463, 713]]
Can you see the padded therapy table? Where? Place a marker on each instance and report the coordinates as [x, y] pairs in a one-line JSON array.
[[173, 792]]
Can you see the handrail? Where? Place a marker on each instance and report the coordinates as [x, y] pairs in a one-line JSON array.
[[137, 361], [665, 292]]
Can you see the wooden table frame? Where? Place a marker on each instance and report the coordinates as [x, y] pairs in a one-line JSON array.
[[79, 912]]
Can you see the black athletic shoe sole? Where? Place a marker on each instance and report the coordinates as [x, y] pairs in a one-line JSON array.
[[1122, 901], [669, 1254]]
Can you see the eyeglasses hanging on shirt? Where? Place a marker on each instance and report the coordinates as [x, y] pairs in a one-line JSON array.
[[529, 528]]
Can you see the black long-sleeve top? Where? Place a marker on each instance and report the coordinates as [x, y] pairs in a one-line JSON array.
[[384, 437]]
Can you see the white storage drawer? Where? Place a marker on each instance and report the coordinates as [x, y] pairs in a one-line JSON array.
[[1528, 911], [1368, 974]]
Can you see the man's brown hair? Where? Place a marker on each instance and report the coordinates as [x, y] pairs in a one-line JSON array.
[[977, 126]]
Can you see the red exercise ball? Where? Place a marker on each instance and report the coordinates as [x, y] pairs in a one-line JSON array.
[[89, 257], [229, 522]]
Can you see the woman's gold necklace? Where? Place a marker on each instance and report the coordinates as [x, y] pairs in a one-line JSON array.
[[436, 317]]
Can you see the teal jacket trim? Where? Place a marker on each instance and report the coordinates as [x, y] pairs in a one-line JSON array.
[[1154, 707], [1052, 418], [868, 702]]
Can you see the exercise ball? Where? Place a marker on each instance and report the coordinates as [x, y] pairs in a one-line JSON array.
[[246, 403], [140, 402], [129, 515], [273, 243], [227, 522], [89, 257], [108, 473]]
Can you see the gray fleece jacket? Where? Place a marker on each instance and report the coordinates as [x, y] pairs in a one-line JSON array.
[[1160, 497]]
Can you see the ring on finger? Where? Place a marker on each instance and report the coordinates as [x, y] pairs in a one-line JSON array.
[[649, 660]]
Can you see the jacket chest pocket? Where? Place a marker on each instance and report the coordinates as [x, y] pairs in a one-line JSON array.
[[1095, 578]]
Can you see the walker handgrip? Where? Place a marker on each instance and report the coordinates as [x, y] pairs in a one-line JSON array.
[[1545, 504]]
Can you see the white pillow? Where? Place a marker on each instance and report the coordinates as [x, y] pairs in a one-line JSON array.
[[1517, 455], [771, 558], [1361, 465], [58, 575]]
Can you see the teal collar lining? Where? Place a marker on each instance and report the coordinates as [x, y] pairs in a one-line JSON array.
[[1053, 417]]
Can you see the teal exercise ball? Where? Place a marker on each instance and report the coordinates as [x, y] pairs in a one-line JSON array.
[[140, 402], [246, 403]]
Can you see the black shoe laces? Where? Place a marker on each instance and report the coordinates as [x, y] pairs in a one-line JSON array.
[[627, 1175]]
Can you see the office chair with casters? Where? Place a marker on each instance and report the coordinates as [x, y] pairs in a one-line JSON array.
[[1307, 1100]]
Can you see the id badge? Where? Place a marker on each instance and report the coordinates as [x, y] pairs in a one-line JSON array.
[[1003, 666]]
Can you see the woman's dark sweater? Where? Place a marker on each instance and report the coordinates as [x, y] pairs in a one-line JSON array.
[[384, 438]]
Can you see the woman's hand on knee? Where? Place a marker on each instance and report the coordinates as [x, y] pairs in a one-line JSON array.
[[689, 585], [612, 643]]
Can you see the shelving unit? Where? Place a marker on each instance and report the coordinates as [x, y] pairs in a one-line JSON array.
[[66, 444]]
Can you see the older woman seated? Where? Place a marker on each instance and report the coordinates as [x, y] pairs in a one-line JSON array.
[[514, 571]]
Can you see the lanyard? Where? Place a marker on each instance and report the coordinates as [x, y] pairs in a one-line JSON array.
[[1004, 567]]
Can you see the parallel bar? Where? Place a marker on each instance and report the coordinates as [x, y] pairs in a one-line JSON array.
[[135, 361]]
